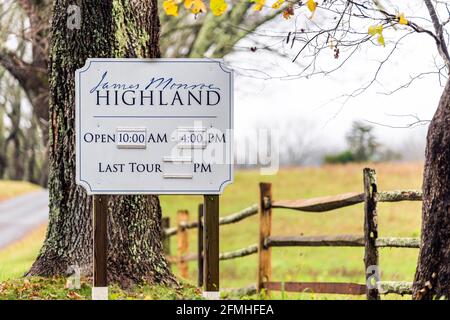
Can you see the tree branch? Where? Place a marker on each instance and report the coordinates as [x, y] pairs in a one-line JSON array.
[[18, 68], [440, 41], [32, 79]]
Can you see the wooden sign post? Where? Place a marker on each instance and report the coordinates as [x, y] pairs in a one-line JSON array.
[[211, 247], [100, 238], [154, 126]]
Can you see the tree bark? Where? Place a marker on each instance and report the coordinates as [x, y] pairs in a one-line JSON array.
[[432, 279], [113, 28]]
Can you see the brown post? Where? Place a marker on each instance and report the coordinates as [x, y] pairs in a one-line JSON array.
[[265, 226], [165, 224], [211, 246], [371, 233], [183, 243], [200, 245], [100, 238]]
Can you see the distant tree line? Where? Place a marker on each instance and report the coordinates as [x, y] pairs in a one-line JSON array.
[[22, 151], [362, 147]]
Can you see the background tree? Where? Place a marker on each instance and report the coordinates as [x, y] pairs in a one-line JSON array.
[[21, 148], [362, 142], [204, 34], [363, 147], [115, 28], [25, 23], [30, 72]]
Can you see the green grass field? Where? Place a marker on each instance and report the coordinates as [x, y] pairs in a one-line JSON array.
[[17, 258], [312, 264], [291, 264]]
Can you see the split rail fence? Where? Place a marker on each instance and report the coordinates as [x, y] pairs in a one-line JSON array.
[[369, 240]]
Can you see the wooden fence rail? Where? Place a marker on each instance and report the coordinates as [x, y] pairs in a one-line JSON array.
[[320, 204], [232, 218], [369, 240], [329, 203], [239, 253], [338, 241], [387, 287]]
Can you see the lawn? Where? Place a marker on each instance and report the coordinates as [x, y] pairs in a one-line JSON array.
[[16, 259], [291, 264], [400, 219], [37, 288]]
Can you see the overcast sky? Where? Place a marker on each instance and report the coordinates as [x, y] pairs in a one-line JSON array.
[[264, 97], [310, 102]]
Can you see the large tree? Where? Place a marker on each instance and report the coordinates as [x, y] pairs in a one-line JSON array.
[[433, 270], [113, 28]]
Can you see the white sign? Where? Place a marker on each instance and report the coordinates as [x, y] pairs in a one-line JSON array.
[[154, 126]]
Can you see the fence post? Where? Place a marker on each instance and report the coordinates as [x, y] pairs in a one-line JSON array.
[[370, 233], [200, 245], [183, 243], [165, 224], [265, 226]]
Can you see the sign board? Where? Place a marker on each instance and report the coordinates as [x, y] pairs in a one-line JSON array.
[[154, 126]]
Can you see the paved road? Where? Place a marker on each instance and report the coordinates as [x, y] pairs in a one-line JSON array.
[[21, 215]]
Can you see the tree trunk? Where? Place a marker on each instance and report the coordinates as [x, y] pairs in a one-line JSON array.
[[16, 169], [432, 278], [113, 28]]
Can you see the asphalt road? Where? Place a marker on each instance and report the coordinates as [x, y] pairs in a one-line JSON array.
[[21, 215]]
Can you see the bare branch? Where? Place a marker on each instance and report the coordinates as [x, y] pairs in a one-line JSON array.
[[18, 68], [410, 81], [440, 41], [415, 123]]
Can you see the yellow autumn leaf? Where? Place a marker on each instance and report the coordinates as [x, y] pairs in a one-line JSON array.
[[381, 39], [277, 4], [312, 5], [218, 7], [170, 7], [373, 30], [196, 6], [402, 19], [259, 4], [377, 30]]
